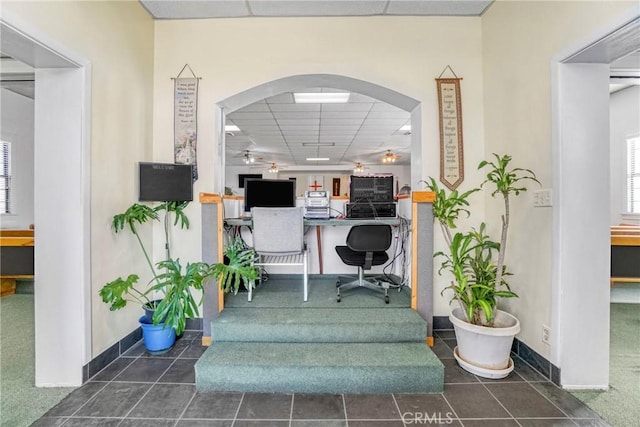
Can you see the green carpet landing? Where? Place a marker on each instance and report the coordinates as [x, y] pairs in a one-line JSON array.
[[319, 348]]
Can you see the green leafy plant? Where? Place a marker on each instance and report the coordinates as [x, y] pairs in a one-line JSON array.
[[175, 286], [478, 280], [178, 285], [238, 267]]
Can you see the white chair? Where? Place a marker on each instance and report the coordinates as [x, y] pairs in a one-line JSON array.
[[278, 239]]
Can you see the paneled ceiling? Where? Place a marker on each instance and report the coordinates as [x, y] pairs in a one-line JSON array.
[[181, 9], [277, 130]]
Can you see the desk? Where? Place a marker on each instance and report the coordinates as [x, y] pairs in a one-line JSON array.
[[318, 223]]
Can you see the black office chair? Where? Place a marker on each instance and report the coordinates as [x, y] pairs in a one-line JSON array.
[[366, 247]]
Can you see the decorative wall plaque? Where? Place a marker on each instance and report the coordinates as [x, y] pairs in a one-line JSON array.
[[451, 146], [186, 120]]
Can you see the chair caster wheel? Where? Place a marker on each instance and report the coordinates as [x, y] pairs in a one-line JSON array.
[[386, 299], [338, 299], [338, 284]]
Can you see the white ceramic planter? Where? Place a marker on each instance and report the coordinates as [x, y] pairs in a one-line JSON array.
[[482, 350]]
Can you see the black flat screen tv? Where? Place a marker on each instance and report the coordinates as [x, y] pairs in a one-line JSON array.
[[165, 182], [269, 193]]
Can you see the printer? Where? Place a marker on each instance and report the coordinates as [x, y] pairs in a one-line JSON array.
[[316, 204]]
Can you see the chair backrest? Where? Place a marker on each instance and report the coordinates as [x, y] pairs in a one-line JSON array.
[[278, 231], [369, 238]]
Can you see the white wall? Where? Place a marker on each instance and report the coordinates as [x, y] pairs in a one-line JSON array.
[[16, 127], [625, 124], [402, 175], [520, 40], [404, 54], [117, 39]]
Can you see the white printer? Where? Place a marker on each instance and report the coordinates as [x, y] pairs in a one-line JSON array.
[[316, 204]]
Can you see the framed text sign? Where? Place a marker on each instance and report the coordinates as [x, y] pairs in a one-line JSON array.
[[185, 127], [451, 147]]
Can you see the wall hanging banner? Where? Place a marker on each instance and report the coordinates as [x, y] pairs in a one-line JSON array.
[[451, 147], [185, 121]]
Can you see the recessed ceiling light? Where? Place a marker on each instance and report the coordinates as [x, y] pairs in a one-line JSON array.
[[318, 144], [231, 128], [321, 97], [317, 159]]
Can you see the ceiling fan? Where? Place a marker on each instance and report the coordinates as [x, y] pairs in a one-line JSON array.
[[389, 157]]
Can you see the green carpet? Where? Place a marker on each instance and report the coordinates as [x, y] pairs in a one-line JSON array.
[[286, 291], [277, 343], [21, 403], [624, 370]]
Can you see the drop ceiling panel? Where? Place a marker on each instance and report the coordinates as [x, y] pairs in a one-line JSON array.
[[437, 7], [183, 9], [360, 130]]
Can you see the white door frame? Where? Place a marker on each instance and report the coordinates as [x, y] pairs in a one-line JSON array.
[[61, 202], [581, 198]]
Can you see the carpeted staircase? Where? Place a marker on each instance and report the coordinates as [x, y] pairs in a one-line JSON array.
[[319, 350]]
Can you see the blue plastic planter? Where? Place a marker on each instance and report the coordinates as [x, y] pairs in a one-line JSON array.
[[157, 338]]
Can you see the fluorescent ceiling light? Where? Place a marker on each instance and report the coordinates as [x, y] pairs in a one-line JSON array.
[[318, 144], [321, 97], [231, 128], [314, 159], [405, 128]]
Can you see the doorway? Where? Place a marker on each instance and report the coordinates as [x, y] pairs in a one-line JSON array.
[[580, 277], [62, 133]]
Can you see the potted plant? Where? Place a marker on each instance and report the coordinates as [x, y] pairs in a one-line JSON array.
[[165, 316], [237, 268], [484, 333]]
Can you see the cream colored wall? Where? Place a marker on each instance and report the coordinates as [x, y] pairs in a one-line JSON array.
[[117, 38], [519, 41], [404, 54]]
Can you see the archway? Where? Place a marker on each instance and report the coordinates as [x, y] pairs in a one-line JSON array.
[[299, 82]]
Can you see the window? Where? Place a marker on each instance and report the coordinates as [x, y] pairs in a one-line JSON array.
[[633, 175], [5, 178]]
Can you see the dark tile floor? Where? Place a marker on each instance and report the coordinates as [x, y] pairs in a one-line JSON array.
[[139, 389]]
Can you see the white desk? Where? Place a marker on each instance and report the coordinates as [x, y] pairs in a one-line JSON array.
[[320, 223]]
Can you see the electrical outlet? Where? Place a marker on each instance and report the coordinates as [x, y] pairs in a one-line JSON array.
[[542, 198], [546, 332]]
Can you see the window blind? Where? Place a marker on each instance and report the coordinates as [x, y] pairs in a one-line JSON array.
[[633, 175], [5, 177]]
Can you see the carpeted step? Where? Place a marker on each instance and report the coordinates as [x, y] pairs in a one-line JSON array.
[[319, 368], [319, 325]]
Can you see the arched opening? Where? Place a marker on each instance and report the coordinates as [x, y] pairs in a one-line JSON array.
[[300, 82]]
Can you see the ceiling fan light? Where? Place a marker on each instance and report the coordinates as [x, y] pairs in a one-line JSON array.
[[321, 98], [273, 168]]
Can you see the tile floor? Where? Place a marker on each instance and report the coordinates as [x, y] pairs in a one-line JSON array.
[[139, 389]]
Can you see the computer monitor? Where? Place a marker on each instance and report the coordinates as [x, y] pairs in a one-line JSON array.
[[269, 193], [371, 189], [165, 182]]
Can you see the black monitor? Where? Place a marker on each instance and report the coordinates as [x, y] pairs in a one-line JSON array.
[[269, 193], [165, 182], [371, 189]]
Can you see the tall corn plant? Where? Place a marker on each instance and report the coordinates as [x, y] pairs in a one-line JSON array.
[[478, 280], [506, 182]]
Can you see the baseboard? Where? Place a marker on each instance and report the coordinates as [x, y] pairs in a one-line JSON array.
[[101, 361], [520, 349]]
